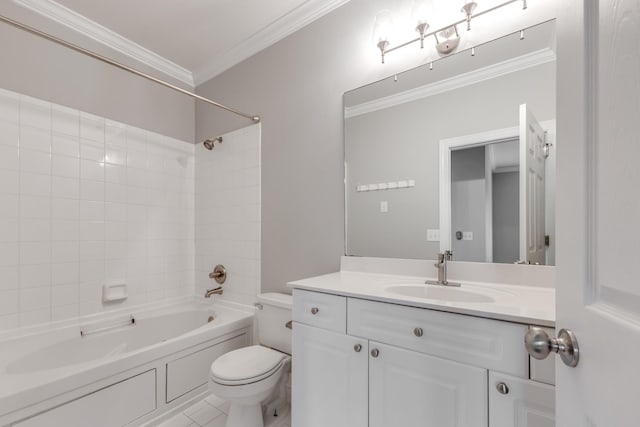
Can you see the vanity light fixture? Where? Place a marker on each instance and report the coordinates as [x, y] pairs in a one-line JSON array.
[[381, 31], [419, 14], [446, 38]]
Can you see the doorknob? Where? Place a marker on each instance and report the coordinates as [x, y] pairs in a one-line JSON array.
[[539, 345]]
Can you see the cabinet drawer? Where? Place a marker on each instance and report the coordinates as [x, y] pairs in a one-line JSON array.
[[486, 343], [116, 405], [321, 310], [521, 403], [544, 370]]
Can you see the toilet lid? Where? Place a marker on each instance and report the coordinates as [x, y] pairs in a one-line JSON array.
[[246, 364]]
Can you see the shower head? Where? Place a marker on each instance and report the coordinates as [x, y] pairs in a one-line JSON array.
[[209, 143]]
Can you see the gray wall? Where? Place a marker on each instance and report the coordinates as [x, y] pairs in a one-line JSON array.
[[468, 203], [296, 86], [44, 70], [506, 217]]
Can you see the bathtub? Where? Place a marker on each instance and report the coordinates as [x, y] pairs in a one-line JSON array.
[[127, 368]]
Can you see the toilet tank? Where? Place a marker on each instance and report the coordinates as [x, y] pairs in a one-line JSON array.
[[272, 320]]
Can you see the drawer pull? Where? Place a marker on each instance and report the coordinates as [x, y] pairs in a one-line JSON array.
[[375, 352], [315, 310], [357, 348], [502, 388], [418, 332]]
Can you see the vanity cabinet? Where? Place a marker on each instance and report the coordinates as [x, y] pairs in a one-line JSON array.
[[411, 389], [385, 364], [329, 378]]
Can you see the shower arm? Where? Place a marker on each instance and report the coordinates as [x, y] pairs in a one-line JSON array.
[[116, 64]]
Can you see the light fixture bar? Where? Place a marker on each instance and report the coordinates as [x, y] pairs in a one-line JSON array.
[[461, 21]]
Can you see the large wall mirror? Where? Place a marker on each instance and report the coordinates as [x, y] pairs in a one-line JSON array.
[[458, 155]]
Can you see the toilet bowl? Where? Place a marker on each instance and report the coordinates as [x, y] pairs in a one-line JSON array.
[[246, 377]]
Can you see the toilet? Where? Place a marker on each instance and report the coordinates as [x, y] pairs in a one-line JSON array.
[[249, 376]]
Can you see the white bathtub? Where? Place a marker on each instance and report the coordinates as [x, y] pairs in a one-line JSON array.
[[118, 371]]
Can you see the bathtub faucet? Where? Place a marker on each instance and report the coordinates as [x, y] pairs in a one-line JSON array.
[[214, 291]]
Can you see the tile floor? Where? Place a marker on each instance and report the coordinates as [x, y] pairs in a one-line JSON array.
[[212, 412]]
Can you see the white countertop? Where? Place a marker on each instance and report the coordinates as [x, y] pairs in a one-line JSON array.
[[512, 303]]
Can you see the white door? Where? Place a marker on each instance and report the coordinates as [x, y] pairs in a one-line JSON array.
[[329, 379], [532, 227], [411, 389], [598, 207]]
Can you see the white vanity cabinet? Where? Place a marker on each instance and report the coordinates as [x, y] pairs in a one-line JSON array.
[[329, 378], [384, 364]]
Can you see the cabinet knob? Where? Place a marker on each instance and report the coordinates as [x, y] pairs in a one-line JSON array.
[[502, 388], [375, 352], [418, 332], [357, 348], [315, 310]]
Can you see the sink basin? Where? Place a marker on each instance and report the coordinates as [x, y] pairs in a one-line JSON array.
[[440, 293]]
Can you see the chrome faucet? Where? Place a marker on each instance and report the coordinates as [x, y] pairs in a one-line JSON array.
[[441, 265], [214, 291]]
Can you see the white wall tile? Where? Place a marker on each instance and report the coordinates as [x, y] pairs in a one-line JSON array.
[[9, 156], [65, 166], [9, 181], [32, 299], [32, 276], [9, 277], [35, 139], [35, 184], [65, 145], [67, 188], [9, 301], [65, 120], [82, 200], [35, 161], [34, 112]]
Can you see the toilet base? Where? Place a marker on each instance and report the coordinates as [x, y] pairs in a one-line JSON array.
[[245, 415]]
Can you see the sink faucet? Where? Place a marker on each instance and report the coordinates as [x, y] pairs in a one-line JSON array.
[[214, 291], [441, 265]]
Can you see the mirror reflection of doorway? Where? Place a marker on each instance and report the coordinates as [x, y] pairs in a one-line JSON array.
[[484, 202]]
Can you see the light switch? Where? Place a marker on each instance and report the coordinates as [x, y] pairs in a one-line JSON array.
[[433, 235], [467, 235], [384, 206]]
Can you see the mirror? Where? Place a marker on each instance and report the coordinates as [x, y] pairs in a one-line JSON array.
[[458, 154]]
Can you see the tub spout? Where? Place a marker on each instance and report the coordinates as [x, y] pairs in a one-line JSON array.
[[214, 291]]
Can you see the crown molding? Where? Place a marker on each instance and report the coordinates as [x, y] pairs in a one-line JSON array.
[[479, 75], [284, 26], [98, 33]]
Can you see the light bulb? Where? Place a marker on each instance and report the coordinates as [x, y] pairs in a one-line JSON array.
[[382, 28]]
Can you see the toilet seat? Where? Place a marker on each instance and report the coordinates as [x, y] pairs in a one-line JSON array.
[[246, 365]]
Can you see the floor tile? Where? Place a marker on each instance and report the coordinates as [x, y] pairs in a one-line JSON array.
[[220, 421], [219, 403], [179, 420], [202, 412]]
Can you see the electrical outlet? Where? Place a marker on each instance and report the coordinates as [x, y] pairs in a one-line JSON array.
[[467, 235], [384, 206], [433, 235]]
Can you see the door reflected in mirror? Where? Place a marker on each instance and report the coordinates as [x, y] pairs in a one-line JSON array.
[[460, 158]]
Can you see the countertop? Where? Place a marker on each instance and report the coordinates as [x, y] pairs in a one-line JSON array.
[[513, 303]]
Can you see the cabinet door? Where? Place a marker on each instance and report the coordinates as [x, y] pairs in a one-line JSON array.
[[411, 389], [522, 403], [329, 379]]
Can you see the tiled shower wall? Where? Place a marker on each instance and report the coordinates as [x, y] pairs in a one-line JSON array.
[[83, 202], [228, 214]]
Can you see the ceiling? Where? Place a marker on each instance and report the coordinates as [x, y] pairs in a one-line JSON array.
[[198, 39]]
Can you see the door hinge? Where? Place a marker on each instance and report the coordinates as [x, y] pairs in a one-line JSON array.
[[547, 241]]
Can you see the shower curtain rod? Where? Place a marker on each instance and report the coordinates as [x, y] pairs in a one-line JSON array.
[[116, 64]]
